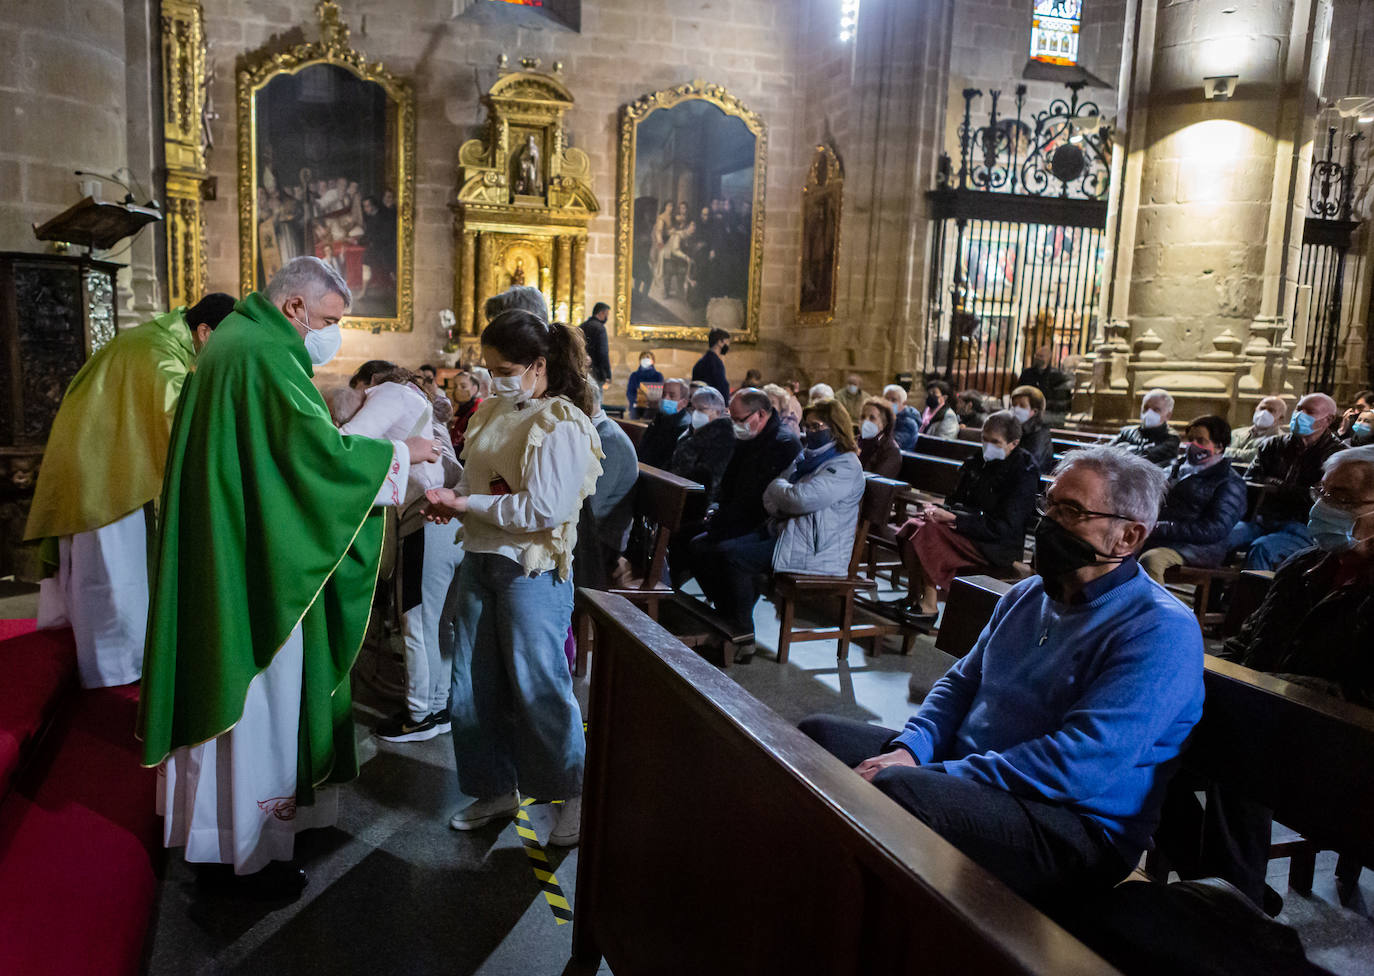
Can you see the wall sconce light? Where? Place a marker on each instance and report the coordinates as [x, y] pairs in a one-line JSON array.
[[1219, 88]]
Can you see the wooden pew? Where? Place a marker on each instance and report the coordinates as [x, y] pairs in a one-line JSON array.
[[930, 475], [778, 858], [967, 611], [663, 500], [953, 450], [634, 429]]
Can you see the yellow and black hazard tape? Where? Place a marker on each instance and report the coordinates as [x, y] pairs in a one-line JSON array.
[[539, 861]]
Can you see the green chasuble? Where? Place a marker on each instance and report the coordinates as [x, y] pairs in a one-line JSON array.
[[108, 443], [267, 522]]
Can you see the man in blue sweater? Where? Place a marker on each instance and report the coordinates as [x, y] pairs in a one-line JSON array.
[[1045, 752]]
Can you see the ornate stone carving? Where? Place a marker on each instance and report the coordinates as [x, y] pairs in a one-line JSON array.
[[523, 196], [185, 85]]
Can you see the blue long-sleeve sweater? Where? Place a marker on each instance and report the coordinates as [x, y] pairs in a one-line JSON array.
[[1084, 705]]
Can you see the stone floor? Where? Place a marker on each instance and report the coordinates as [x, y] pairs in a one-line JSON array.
[[392, 889]]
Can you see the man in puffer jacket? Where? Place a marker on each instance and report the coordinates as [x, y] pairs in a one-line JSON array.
[[813, 511], [1206, 498]]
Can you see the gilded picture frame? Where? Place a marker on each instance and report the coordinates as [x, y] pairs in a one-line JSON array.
[[822, 209], [695, 150], [354, 209]]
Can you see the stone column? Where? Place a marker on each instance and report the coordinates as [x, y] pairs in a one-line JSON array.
[[1208, 218]]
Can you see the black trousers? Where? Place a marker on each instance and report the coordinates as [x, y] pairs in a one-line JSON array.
[[1228, 839], [1045, 852]]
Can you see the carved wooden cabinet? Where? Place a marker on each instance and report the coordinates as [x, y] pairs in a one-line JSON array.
[[55, 310]]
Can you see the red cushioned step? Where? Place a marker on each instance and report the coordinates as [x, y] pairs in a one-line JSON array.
[[39, 670], [16, 628]]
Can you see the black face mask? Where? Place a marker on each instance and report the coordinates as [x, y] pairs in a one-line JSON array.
[[1059, 552], [724, 349], [932, 401]]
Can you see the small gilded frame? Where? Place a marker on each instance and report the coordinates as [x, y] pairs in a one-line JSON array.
[[689, 215], [822, 205], [326, 167]]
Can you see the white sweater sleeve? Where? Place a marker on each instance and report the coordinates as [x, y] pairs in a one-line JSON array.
[[553, 484]]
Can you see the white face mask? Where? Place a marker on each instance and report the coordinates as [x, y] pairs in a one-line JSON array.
[[853, 389], [1022, 414], [510, 387], [1264, 419], [869, 430], [699, 419], [742, 431], [646, 363], [991, 452], [1151, 418], [321, 345]]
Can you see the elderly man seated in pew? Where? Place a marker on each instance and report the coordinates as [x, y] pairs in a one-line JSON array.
[[1315, 627], [1044, 753], [669, 424], [980, 527]]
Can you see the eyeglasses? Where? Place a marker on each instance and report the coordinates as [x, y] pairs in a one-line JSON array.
[[1320, 494], [1071, 512], [813, 427]]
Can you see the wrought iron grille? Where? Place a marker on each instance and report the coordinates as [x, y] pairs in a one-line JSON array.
[[1320, 327], [1016, 258]]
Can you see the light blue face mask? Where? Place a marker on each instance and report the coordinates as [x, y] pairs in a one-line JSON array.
[[1303, 423], [668, 406], [1361, 430], [1332, 528]]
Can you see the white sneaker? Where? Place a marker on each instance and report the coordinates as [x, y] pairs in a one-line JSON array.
[[568, 830], [479, 813]]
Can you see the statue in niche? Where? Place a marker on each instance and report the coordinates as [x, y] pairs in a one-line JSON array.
[[517, 277], [527, 178]]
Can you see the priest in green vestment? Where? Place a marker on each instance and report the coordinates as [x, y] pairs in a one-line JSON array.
[[102, 465], [266, 565]]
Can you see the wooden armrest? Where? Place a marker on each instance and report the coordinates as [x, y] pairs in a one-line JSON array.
[[799, 581], [703, 613], [1197, 574]]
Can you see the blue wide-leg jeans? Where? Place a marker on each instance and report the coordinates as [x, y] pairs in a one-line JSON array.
[[516, 723]]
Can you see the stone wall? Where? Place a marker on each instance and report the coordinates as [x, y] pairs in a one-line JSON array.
[[67, 71], [625, 49]]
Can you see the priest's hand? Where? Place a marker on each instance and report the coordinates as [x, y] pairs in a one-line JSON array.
[[444, 505], [897, 757], [422, 449]]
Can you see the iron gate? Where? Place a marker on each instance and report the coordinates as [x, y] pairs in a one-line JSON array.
[[1016, 256]]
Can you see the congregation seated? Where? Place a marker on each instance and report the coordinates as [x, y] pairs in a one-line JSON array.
[[1043, 754], [971, 408], [1266, 422], [853, 397], [1054, 383], [981, 525], [1028, 407], [819, 392], [878, 450], [1289, 467], [1151, 439], [812, 510], [1314, 627], [906, 422], [646, 373], [708, 442], [1362, 404], [660, 437], [603, 524], [1204, 500], [788, 408], [939, 419]]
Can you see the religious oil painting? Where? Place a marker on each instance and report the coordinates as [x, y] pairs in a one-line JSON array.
[[326, 149], [690, 215], [822, 197]]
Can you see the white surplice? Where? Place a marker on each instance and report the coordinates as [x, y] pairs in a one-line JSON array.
[[101, 592], [232, 800]]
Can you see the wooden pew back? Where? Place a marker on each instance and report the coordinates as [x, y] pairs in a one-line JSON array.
[[937, 476], [780, 859], [953, 450], [967, 610], [634, 429]]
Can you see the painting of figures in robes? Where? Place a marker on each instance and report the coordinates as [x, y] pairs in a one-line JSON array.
[[691, 198], [820, 244], [325, 169]]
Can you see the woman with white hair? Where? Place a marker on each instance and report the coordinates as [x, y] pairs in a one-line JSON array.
[[1151, 439], [906, 422]]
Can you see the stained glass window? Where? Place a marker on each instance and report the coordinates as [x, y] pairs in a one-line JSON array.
[[1054, 31]]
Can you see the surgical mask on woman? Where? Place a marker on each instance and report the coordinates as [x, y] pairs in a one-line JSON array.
[[869, 430], [818, 439], [646, 363], [699, 419], [510, 387], [1360, 430], [1022, 414], [1264, 419], [992, 452]]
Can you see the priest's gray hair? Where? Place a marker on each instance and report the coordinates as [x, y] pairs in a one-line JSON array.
[[1135, 487], [310, 278], [527, 298]]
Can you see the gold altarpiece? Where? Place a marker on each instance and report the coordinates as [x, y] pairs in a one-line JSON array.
[[184, 89], [523, 203]]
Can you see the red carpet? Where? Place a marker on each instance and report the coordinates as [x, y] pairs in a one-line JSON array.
[[16, 628]]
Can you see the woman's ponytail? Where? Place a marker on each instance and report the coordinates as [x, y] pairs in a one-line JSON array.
[[567, 361]]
